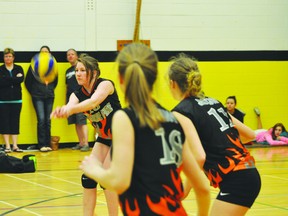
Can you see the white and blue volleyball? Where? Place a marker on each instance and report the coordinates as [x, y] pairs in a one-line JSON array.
[[44, 67]]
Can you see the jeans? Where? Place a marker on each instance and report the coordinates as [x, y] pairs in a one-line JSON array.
[[43, 108]]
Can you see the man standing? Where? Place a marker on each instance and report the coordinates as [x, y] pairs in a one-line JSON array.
[[78, 119]]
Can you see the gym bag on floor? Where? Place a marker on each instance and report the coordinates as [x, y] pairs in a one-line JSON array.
[[10, 164]]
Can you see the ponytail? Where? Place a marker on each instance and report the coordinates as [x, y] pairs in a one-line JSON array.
[[138, 68], [184, 71]]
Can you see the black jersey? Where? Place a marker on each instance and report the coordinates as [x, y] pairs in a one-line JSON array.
[[101, 116], [220, 139], [238, 115], [156, 186]]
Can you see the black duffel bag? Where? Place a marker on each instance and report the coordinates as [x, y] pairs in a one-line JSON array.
[[10, 164]]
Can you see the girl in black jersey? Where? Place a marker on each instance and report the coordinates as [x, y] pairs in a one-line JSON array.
[[228, 164], [98, 100], [149, 148]]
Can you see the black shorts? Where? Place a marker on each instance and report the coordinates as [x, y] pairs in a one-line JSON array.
[[107, 142], [240, 187]]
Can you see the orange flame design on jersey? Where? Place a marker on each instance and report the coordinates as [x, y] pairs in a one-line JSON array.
[[237, 155], [102, 132], [236, 142], [162, 207], [229, 168], [236, 158], [215, 180], [128, 209]]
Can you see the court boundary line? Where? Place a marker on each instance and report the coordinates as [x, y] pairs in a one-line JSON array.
[[41, 185], [35, 203], [61, 179], [275, 177]]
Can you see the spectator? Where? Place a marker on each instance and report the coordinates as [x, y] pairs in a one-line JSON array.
[[11, 77], [272, 136], [231, 108], [42, 99], [79, 119]]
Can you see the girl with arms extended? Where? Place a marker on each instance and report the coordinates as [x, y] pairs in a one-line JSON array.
[[148, 146], [98, 99], [228, 165]]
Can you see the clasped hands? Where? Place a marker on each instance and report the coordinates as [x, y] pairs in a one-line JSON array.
[[61, 112]]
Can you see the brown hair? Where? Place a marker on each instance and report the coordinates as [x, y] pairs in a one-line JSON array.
[[138, 69], [233, 98], [90, 65], [274, 128], [47, 47], [9, 51], [71, 49], [185, 72]]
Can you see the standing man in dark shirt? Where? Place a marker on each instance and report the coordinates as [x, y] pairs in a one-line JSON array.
[[78, 119]]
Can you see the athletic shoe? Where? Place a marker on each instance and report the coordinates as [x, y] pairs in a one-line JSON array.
[[76, 147], [257, 111], [32, 147], [85, 148]]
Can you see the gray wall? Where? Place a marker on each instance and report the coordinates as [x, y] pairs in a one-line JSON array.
[[96, 25]]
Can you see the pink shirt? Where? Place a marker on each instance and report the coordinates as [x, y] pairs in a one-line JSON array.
[[266, 136]]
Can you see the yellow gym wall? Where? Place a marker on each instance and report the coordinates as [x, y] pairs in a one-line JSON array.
[[258, 83]]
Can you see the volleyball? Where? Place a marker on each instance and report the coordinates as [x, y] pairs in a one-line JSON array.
[[44, 67]]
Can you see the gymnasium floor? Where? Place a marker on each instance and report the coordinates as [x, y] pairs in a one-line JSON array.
[[55, 189]]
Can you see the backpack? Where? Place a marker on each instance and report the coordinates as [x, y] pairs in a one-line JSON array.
[[10, 164]]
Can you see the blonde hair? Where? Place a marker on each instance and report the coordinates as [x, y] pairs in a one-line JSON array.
[[9, 51], [138, 69], [90, 65], [185, 72]]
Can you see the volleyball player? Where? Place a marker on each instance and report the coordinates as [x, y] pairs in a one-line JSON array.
[[149, 148], [228, 166], [98, 100]]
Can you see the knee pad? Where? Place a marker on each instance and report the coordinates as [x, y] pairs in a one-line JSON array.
[[88, 182]]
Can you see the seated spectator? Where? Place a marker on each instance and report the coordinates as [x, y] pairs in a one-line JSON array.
[[231, 108], [272, 136]]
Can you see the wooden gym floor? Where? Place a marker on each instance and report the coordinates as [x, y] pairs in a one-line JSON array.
[[55, 188]]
